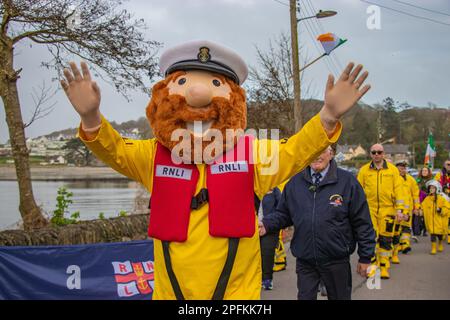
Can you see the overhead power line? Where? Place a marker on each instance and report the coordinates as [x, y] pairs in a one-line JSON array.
[[407, 13], [422, 8], [334, 58], [310, 29], [280, 2]]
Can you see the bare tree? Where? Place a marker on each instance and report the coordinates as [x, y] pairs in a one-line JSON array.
[[41, 98], [98, 31], [271, 86], [271, 80]]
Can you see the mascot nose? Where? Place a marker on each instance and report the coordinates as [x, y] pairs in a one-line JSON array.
[[198, 95]]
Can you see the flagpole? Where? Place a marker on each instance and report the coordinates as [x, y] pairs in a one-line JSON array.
[[310, 63], [323, 55]]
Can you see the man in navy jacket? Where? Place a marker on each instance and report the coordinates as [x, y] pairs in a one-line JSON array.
[[329, 211]]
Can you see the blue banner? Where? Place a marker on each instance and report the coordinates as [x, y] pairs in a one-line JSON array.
[[106, 271]]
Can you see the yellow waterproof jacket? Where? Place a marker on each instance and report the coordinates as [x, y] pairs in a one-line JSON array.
[[436, 223], [411, 192], [383, 188], [198, 262]]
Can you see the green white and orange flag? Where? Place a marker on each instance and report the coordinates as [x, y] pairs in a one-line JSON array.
[[330, 41], [430, 154]]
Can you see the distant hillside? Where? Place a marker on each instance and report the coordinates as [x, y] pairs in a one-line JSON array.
[[125, 128], [409, 126]]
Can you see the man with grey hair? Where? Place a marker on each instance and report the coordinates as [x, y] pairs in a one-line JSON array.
[[329, 211]]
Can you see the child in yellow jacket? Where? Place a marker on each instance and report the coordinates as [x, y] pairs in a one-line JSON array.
[[435, 210]]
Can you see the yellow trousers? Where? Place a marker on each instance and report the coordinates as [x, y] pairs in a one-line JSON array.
[[383, 220]]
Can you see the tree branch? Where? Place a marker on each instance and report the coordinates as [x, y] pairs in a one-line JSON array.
[[40, 99], [31, 35]]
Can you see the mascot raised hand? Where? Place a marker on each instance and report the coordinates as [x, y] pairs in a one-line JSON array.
[[205, 177]]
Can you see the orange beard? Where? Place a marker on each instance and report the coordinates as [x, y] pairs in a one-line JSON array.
[[167, 113]]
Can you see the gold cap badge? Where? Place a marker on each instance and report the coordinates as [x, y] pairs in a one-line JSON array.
[[203, 55]]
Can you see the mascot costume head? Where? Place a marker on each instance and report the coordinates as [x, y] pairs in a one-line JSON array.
[[201, 91]]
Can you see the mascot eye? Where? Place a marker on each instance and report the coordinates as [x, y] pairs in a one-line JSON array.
[[182, 81], [216, 82]]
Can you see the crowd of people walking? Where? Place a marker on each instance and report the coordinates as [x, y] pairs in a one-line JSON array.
[[380, 213]]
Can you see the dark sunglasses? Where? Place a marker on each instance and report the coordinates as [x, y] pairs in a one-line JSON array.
[[376, 152]]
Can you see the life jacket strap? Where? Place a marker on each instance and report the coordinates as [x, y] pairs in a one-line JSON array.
[[222, 283], [200, 199], [173, 279], [219, 293]]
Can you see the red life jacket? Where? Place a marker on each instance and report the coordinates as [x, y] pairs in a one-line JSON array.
[[229, 181]]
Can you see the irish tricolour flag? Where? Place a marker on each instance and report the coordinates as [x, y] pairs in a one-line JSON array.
[[431, 152]]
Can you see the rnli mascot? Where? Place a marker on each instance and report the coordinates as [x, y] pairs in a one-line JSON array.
[[203, 174]]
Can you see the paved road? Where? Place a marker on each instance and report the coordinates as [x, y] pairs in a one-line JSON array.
[[418, 276]]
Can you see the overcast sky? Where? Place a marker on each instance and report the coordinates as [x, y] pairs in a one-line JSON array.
[[408, 58]]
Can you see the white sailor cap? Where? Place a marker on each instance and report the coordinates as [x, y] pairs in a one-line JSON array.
[[204, 55]]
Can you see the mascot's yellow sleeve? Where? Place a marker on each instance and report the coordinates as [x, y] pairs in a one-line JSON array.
[[199, 260], [294, 154], [134, 158]]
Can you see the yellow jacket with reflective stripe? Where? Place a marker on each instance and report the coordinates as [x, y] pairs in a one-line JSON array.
[[411, 193], [198, 262], [411, 190], [436, 223], [383, 188]]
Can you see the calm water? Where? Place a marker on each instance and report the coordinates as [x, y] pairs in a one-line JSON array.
[[89, 198]]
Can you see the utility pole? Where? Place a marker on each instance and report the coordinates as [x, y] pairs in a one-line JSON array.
[[298, 123], [379, 127]]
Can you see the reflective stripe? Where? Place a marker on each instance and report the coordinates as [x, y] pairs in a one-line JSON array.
[[384, 254], [399, 201], [405, 237]]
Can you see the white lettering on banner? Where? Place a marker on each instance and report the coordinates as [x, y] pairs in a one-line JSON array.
[[148, 266], [173, 172], [239, 166], [127, 289], [74, 281], [122, 267]]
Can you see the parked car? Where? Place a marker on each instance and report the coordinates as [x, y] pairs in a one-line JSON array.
[[413, 172]]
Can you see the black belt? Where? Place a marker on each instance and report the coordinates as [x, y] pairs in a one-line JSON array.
[[222, 283], [200, 199]]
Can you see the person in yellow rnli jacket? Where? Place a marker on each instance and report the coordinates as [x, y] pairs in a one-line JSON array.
[[384, 191], [193, 80], [412, 206], [436, 211], [443, 177]]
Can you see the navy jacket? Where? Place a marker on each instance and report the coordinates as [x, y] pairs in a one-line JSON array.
[[328, 220]]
